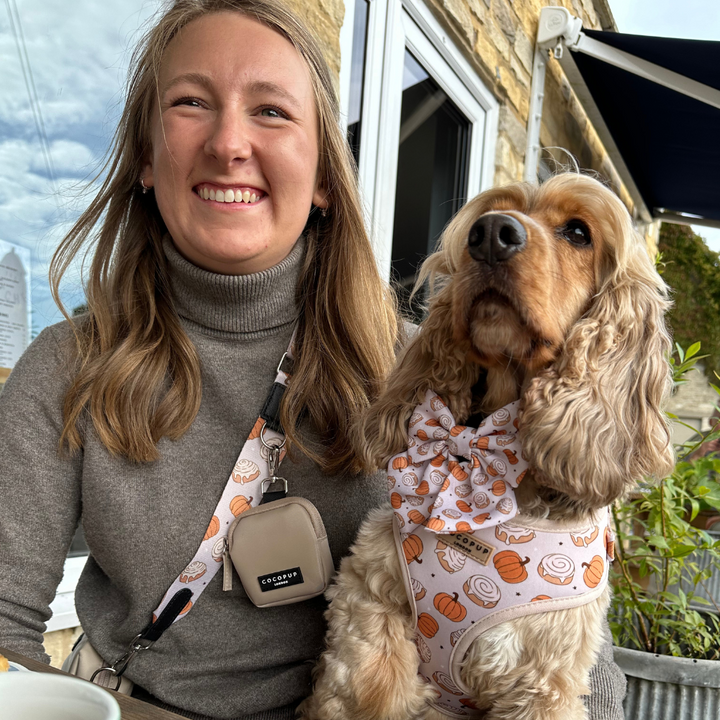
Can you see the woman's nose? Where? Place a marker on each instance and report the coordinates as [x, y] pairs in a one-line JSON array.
[[230, 139]]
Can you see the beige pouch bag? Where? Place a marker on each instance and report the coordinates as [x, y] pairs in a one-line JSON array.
[[84, 661], [280, 552]]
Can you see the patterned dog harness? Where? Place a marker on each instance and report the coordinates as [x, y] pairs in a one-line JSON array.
[[468, 565]]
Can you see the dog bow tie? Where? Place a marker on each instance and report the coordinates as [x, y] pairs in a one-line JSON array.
[[453, 478]]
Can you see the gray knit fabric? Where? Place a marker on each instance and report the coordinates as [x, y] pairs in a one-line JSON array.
[[143, 523]]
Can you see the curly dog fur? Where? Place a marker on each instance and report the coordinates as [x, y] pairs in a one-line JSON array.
[[573, 324]]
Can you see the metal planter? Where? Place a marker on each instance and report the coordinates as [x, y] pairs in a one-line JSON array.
[[661, 687]]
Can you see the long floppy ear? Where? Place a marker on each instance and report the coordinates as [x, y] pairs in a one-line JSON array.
[[431, 360], [592, 423]]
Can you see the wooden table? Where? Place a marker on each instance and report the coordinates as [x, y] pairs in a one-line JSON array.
[[130, 708]]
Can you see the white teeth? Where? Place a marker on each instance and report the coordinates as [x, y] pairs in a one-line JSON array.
[[228, 196]]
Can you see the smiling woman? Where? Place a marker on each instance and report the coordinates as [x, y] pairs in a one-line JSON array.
[[228, 223]]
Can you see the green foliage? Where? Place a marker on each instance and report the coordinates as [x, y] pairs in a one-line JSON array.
[[692, 270], [662, 559]]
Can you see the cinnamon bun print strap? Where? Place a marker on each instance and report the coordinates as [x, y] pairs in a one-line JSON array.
[[242, 491]]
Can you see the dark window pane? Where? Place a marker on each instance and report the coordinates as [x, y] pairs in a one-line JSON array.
[[78, 547], [432, 174], [357, 75]]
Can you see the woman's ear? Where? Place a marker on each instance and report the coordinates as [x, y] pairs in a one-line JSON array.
[[146, 174], [320, 195], [593, 423], [319, 198]]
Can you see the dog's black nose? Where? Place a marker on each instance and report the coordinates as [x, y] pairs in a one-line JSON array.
[[495, 238]]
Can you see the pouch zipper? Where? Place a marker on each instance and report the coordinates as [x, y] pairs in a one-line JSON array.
[[227, 564]]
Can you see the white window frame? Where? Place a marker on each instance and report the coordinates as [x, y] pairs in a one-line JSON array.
[[63, 606], [394, 25]]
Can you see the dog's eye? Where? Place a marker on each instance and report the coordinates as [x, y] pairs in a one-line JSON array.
[[577, 232]]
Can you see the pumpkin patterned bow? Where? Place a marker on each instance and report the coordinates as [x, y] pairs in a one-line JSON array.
[[454, 478]]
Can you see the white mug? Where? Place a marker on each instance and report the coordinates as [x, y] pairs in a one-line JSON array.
[[40, 696]]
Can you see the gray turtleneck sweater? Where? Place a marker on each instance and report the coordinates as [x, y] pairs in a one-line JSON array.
[[143, 523]]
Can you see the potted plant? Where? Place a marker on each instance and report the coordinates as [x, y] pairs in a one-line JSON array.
[[665, 610]]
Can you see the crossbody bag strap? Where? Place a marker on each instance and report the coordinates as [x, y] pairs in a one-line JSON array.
[[257, 464]]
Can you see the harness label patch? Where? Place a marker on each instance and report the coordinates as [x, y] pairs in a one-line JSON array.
[[475, 549], [284, 578]]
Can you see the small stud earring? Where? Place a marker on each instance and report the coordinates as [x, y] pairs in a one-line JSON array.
[[145, 188], [323, 212]]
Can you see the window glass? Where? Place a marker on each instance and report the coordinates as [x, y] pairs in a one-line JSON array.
[[431, 177], [63, 73], [357, 75]]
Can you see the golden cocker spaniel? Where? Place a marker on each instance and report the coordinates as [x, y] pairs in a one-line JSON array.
[[545, 295]]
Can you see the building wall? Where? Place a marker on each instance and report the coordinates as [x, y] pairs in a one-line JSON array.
[[325, 17], [498, 37]]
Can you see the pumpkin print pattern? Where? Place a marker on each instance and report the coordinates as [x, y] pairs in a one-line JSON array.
[[213, 528], [242, 491], [453, 594], [440, 469], [594, 572]]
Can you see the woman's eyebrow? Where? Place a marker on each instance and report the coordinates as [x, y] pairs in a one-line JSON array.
[[259, 87], [193, 78]]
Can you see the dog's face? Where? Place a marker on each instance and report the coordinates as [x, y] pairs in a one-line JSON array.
[[531, 262]]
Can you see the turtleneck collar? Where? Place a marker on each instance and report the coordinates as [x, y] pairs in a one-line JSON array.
[[253, 304]]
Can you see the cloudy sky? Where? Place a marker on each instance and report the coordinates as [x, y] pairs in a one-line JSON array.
[[79, 53]]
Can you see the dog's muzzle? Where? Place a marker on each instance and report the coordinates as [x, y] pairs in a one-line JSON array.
[[495, 238]]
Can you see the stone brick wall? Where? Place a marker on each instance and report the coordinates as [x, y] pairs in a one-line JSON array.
[[325, 18], [498, 37]]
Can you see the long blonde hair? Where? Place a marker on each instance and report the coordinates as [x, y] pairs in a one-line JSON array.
[[138, 374]]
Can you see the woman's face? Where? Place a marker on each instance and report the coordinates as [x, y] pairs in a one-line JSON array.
[[236, 122]]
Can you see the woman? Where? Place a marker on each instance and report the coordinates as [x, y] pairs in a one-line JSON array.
[[194, 291]]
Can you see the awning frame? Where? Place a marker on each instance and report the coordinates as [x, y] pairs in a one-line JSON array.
[[558, 30]]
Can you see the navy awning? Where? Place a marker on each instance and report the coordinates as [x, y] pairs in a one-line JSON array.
[[669, 143]]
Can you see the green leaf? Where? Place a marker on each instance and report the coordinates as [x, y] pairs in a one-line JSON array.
[[694, 349], [695, 509], [658, 541]]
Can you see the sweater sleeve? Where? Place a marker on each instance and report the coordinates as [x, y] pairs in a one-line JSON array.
[[39, 491], [607, 685]]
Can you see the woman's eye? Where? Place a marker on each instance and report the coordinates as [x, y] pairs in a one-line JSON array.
[[189, 101], [577, 232], [272, 112]]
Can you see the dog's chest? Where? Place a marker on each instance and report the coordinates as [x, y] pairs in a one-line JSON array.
[[462, 584]]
